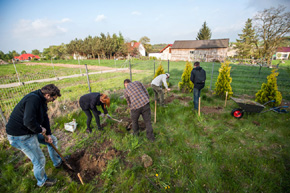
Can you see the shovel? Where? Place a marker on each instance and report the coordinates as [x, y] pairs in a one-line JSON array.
[[62, 158], [119, 121]]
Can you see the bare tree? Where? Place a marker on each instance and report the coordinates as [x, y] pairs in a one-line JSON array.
[[271, 26]]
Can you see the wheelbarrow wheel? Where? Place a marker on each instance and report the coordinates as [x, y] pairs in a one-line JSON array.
[[237, 113]]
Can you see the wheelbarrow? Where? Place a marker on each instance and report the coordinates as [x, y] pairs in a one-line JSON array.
[[253, 107]]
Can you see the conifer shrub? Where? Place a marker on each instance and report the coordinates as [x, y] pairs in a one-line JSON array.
[[186, 85], [269, 91], [160, 70], [223, 83]]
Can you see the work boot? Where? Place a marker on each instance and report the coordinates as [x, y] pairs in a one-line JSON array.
[[61, 164], [100, 129], [89, 130], [49, 182]]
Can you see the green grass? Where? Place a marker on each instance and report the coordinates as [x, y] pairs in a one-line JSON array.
[[210, 153]]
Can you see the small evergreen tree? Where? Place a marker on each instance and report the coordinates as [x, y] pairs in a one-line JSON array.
[[204, 33], [186, 85], [223, 83], [269, 91], [160, 70]]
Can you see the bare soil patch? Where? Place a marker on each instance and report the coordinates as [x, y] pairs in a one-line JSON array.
[[92, 161], [211, 110]]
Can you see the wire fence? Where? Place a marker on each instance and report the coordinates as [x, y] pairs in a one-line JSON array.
[[74, 80]]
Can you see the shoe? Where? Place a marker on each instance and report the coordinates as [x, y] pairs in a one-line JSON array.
[[100, 129], [89, 130], [49, 182]]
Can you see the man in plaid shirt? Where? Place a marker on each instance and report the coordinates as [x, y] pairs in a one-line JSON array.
[[138, 101]]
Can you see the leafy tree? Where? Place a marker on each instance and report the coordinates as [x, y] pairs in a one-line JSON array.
[[23, 52], [272, 25], [223, 83], [269, 91], [204, 33], [248, 43], [145, 42], [186, 85], [35, 52]]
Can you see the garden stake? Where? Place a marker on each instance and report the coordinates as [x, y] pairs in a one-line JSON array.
[[155, 112], [226, 98], [79, 175], [199, 106]]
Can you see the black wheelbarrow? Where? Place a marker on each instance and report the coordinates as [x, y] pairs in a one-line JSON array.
[[253, 107]]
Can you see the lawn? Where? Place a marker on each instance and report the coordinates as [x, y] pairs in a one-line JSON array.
[[213, 152]]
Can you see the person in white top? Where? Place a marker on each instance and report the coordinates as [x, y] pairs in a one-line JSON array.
[[157, 87]]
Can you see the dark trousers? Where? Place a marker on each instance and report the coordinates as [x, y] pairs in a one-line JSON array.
[[158, 93], [89, 119], [146, 114], [196, 95]]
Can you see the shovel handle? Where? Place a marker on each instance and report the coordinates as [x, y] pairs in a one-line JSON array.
[[62, 158]]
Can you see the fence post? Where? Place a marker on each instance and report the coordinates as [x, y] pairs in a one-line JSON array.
[[168, 66], [16, 73], [130, 71], [211, 75], [154, 69], [3, 117], [79, 65], [88, 78]]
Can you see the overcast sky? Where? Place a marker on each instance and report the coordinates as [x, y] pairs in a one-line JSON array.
[[37, 24]]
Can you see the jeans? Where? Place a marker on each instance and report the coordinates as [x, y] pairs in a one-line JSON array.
[[196, 95], [29, 145], [146, 114]]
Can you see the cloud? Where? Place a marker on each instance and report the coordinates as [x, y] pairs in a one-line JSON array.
[[100, 18], [136, 13], [39, 28]]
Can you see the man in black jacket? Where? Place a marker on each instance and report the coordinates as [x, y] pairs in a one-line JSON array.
[[197, 77], [27, 126]]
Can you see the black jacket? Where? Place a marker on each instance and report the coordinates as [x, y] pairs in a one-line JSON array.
[[90, 101], [192, 77], [28, 115]]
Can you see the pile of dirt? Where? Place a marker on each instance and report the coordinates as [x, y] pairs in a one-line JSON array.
[[91, 162]]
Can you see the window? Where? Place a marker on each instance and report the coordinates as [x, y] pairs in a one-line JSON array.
[[191, 52]]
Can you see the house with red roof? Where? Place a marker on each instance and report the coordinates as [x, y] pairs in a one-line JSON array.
[[164, 54], [283, 53], [26, 57], [136, 48]]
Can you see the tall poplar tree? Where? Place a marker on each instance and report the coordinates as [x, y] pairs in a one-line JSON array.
[[204, 33]]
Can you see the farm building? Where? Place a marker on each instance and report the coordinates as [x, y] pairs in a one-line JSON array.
[[204, 50], [282, 53], [26, 57], [164, 54], [136, 48]]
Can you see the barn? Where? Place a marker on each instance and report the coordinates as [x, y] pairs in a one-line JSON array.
[[202, 50]]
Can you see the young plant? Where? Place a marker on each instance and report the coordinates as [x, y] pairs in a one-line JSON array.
[[186, 85], [223, 83], [269, 91]]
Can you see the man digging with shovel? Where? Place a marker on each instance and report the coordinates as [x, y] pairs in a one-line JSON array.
[[27, 126]]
